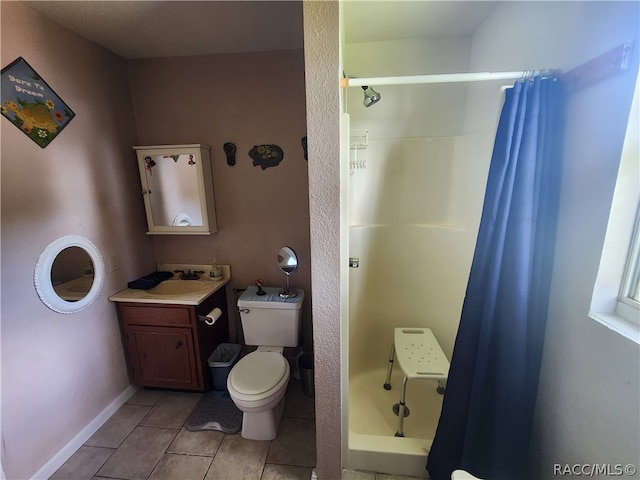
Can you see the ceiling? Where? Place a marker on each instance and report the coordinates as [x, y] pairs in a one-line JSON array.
[[144, 29]]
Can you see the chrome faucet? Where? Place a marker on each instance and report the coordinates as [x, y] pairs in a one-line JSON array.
[[189, 275]]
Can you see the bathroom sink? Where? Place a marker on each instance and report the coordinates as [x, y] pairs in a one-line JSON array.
[[178, 287], [175, 291]]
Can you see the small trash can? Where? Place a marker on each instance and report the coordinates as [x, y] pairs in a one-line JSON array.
[[305, 364], [220, 363]]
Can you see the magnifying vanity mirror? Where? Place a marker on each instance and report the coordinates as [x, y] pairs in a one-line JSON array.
[[288, 263], [69, 274]]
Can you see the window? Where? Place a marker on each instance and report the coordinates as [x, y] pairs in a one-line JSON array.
[[616, 296]]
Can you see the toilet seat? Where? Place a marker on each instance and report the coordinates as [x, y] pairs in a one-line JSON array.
[[257, 375]]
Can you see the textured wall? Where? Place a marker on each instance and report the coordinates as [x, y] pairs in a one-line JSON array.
[[323, 123]]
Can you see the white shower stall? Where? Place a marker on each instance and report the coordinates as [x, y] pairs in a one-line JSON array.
[[416, 186]]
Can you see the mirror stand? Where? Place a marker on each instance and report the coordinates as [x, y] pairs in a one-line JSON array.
[[286, 292]]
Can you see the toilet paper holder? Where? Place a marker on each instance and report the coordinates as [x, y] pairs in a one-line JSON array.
[[211, 317]]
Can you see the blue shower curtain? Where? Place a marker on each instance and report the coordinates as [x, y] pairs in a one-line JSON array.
[[486, 419]]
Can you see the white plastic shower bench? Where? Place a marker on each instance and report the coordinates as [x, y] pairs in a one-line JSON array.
[[420, 357]]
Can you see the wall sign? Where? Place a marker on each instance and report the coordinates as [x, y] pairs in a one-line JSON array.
[[31, 104], [266, 156]]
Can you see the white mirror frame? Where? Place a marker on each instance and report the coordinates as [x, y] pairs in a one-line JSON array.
[[42, 274]]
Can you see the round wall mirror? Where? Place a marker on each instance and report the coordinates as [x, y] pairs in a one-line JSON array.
[[288, 263], [69, 274]]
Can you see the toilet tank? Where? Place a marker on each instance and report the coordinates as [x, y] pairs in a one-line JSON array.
[[268, 319]]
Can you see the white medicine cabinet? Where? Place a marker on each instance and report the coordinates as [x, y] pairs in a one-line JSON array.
[[177, 187]]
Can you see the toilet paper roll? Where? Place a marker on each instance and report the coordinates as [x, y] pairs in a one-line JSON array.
[[212, 316]]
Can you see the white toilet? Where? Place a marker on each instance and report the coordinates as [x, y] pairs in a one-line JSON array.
[[258, 382]]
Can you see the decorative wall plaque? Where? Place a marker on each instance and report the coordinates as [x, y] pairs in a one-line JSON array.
[[266, 156], [31, 104], [230, 151]]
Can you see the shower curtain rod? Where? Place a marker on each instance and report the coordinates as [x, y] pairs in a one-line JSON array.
[[613, 62], [441, 78]]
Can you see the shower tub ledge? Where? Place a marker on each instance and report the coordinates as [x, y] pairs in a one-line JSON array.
[[372, 445], [391, 455]]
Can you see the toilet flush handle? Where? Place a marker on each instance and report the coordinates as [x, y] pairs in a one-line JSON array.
[[244, 310]]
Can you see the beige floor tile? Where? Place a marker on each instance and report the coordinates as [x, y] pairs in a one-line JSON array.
[[297, 404], [139, 453], [145, 396], [121, 424], [83, 464], [238, 458], [172, 410], [285, 472], [295, 443], [182, 467], [202, 442]]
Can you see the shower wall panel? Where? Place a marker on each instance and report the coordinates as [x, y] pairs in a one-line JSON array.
[[415, 196]]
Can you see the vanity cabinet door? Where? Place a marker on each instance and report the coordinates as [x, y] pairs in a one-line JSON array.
[[177, 187], [162, 356]]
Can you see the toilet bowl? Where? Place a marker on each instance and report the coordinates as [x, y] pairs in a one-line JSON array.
[[257, 385]]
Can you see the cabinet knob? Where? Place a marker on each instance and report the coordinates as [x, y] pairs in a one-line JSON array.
[[178, 343]]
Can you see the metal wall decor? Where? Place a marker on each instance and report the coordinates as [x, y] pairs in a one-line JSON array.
[[266, 156], [30, 103], [230, 152]]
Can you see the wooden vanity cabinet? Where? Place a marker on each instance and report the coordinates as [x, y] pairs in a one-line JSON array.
[[168, 346]]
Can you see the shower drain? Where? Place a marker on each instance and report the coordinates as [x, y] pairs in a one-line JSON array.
[[396, 410]]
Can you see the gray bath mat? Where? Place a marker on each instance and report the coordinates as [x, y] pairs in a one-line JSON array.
[[215, 411]]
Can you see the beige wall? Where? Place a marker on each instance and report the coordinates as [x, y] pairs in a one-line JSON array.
[[60, 371], [247, 99]]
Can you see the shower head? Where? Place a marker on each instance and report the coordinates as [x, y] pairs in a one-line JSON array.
[[370, 96]]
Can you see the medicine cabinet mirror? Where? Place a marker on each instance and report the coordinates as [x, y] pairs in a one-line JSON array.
[[69, 274], [177, 188]]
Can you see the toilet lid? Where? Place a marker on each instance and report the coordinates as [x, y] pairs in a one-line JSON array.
[[258, 372]]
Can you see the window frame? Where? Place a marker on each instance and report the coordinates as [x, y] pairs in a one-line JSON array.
[[627, 306]]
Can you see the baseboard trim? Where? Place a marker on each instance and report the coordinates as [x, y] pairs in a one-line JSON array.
[[80, 439]]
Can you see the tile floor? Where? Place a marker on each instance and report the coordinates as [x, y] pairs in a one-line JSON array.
[[146, 440]]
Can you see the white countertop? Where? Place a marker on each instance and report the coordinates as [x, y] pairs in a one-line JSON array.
[[209, 287]]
